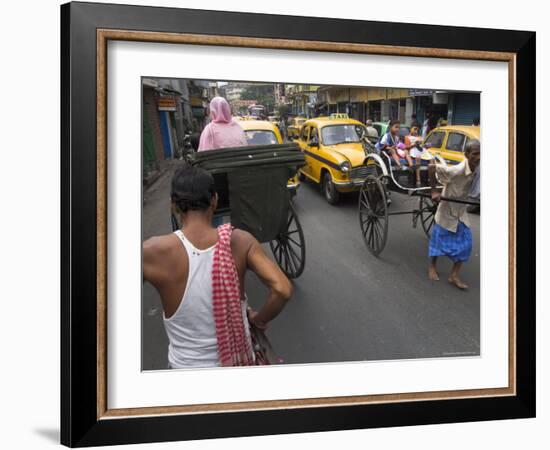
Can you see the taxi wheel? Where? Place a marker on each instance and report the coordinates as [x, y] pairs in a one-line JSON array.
[[329, 189], [301, 176]]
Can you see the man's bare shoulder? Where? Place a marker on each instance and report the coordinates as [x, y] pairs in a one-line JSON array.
[[242, 239], [159, 245]]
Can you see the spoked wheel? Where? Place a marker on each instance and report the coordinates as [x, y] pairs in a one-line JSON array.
[[289, 248], [380, 174], [427, 214], [373, 214]]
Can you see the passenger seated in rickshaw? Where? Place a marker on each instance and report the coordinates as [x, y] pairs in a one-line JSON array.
[[390, 144], [413, 143], [222, 131]]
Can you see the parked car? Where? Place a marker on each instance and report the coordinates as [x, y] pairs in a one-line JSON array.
[[263, 132], [450, 141], [335, 153]]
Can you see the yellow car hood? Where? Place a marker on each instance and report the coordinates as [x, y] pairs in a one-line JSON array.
[[354, 152]]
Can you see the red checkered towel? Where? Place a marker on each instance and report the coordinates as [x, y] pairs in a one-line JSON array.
[[234, 346]]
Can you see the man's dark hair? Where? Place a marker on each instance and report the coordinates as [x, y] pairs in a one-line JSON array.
[[415, 124], [192, 189], [394, 122], [471, 144]]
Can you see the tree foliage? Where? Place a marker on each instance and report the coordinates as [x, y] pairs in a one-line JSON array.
[[264, 94]]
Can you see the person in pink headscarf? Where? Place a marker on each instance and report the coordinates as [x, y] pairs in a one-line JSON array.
[[222, 131]]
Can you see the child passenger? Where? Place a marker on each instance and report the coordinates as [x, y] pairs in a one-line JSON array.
[[390, 143], [413, 144]]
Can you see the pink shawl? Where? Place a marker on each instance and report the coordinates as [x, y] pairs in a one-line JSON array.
[[222, 131]]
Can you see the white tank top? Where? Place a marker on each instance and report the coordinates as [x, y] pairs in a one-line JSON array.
[[191, 329]]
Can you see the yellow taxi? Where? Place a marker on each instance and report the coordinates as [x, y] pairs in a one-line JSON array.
[[334, 148], [263, 132], [450, 141], [294, 126]]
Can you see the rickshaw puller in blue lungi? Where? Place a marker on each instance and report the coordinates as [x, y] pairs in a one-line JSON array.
[[451, 234]]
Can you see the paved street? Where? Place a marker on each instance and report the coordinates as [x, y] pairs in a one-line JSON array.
[[347, 305]]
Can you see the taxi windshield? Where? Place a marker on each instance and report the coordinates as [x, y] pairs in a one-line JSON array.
[[260, 137], [341, 134]]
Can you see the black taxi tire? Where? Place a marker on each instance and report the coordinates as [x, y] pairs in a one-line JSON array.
[[330, 192]]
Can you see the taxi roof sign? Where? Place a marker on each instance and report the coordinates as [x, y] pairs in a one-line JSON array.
[[339, 116]]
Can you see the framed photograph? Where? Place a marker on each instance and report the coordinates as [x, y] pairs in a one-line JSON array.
[[277, 224]]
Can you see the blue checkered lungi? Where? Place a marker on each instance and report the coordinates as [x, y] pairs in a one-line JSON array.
[[457, 246]]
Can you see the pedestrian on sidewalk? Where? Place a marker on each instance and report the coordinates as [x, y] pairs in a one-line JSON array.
[[451, 234], [199, 272], [371, 131], [222, 131]]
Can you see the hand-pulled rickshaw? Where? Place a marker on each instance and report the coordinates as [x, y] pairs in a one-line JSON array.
[[252, 189], [385, 176]]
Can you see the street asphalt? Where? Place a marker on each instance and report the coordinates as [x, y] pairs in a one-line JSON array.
[[347, 305]]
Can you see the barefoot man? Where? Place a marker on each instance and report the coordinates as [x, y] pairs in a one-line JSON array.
[[451, 234], [199, 272]]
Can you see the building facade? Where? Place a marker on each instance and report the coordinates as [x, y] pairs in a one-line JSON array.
[[406, 105], [302, 98], [172, 109], [232, 91], [152, 146]]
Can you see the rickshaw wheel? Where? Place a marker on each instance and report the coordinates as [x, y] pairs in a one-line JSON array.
[[289, 248], [427, 214], [373, 214]]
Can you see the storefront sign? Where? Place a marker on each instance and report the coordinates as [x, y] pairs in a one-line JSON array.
[[167, 104], [418, 92]]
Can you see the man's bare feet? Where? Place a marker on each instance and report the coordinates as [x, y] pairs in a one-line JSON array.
[[432, 274], [453, 279]]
